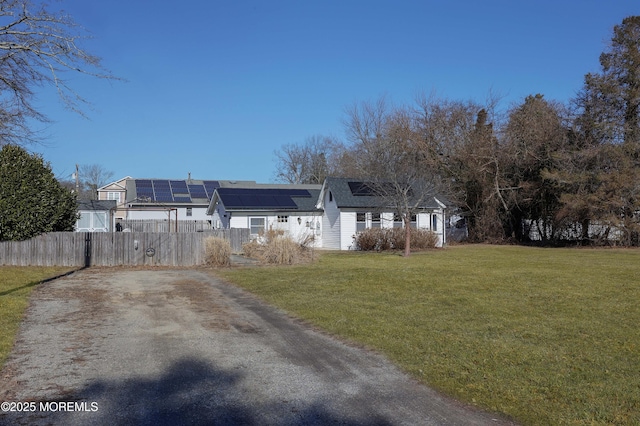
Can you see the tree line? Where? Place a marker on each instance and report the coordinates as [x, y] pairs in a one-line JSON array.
[[560, 171]]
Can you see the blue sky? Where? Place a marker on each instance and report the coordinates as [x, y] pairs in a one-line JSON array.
[[215, 87]]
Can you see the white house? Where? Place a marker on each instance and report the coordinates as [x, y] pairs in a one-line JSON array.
[[263, 207], [350, 206]]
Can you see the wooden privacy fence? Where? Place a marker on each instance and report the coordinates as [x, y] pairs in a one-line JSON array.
[[161, 225], [116, 248]]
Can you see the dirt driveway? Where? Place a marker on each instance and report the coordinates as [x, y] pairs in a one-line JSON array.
[[155, 347]]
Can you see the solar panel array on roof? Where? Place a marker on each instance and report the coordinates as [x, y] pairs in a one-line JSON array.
[[261, 198], [368, 189], [361, 189], [173, 191]]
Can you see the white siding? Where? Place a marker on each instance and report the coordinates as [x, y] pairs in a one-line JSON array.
[[386, 220], [297, 231], [197, 213], [239, 221], [330, 225], [347, 230], [151, 214], [425, 221]]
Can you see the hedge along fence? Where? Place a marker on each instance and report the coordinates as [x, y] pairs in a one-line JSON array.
[[115, 248]]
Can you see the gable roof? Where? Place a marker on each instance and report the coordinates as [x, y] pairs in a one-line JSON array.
[[115, 185], [356, 193], [257, 197]]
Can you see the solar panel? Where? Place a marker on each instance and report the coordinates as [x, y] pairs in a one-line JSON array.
[[361, 189], [164, 198], [144, 190], [210, 186], [182, 199], [179, 186], [197, 191]]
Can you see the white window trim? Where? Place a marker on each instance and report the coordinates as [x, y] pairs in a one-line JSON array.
[[251, 226]]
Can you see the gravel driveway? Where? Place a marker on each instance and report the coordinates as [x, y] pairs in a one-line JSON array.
[[155, 347]]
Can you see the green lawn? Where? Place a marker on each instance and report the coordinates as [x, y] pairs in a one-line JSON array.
[[16, 284], [547, 336]]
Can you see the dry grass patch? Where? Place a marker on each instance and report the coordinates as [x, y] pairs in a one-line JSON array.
[[217, 251], [276, 248]]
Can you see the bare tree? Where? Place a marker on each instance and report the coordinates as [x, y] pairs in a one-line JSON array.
[[460, 142], [309, 162], [92, 177], [390, 156], [37, 46]]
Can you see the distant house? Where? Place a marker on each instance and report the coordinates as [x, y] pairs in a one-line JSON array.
[[263, 207], [116, 191], [166, 199], [350, 206], [95, 215]]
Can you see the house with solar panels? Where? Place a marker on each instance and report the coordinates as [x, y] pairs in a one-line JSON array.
[[350, 206], [163, 200], [263, 207]]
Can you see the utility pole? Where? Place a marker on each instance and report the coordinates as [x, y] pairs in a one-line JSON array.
[[77, 180]]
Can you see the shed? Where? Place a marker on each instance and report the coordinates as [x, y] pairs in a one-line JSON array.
[[95, 215]]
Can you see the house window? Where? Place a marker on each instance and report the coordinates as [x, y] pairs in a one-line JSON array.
[[397, 221], [257, 225], [113, 196], [361, 221], [84, 223], [375, 220], [414, 221], [91, 221], [283, 219], [434, 222], [189, 211], [330, 196]]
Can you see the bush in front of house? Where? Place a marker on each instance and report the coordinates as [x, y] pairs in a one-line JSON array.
[[378, 239], [373, 239], [276, 248], [217, 251]]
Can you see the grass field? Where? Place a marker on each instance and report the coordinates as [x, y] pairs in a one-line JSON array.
[[16, 284], [546, 336]]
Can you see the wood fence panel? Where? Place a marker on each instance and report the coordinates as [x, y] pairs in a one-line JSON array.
[[116, 249]]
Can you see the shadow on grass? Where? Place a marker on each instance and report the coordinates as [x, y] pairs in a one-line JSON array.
[[191, 391], [35, 283]]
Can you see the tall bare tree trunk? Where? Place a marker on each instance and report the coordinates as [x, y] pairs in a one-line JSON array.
[[407, 236]]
